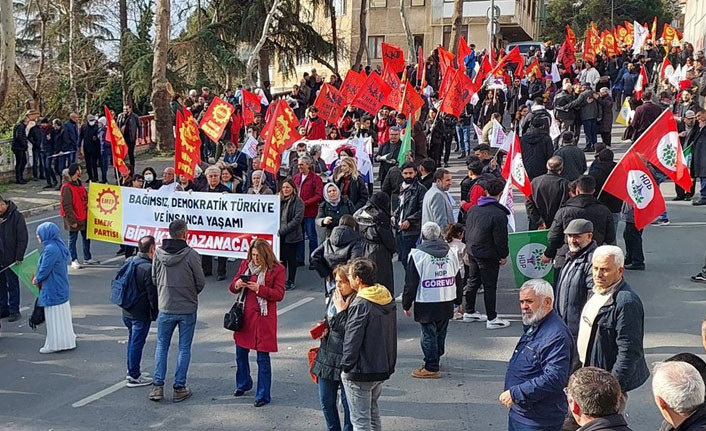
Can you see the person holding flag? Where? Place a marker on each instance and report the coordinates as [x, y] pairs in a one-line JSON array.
[[645, 115], [13, 243]]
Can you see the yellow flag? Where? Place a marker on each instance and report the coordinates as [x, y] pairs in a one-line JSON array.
[[624, 113]]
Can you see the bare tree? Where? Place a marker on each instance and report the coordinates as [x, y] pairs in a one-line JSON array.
[[363, 45], [456, 21], [7, 47], [160, 93], [334, 36], [122, 11], [412, 54], [255, 54], [72, 54]]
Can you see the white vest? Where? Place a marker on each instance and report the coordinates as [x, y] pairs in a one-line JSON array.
[[437, 276]]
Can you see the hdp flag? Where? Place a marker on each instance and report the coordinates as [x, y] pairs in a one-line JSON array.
[[514, 169], [406, 143], [526, 250], [26, 270]]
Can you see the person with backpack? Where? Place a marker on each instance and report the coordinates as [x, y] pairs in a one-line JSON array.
[[139, 304]]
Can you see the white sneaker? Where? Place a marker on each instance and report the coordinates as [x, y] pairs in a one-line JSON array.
[[140, 381], [474, 317], [399, 298], [75, 265], [497, 323], [91, 262]]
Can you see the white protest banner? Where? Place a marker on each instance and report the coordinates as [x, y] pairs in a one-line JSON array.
[[220, 224], [363, 149], [250, 147]]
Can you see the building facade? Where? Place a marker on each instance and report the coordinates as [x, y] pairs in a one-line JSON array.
[[695, 23]]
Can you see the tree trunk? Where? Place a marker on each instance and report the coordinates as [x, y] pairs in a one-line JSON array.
[[363, 44], [127, 93], [263, 66], [44, 17], [7, 47], [72, 46], [412, 54], [456, 21], [160, 94], [255, 54], [334, 36]]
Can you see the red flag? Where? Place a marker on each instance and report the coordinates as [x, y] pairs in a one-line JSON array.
[[463, 51], [330, 103], [420, 66], [484, 70], [567, 55], [631, 182], [216, 118], [458, 95], [653, 34], [395, 97], [350, 86], [393, 57], [281, 133], [570, 36], [534, 68], [669, 33], [117, 142], [641, 83], [446, 82], [251, 106], [663, 68], [592, 42], [608, 41], [372, 94], [660, 145], [512, 57], [514, 169], [412, 101], [187, 147], [445, 59]]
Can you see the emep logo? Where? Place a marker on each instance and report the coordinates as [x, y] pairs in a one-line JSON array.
[[518, 169], [667, 151], [640, 188]]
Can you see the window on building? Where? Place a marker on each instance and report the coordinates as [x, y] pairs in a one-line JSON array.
[[375, 46], [339, 6], [378, 3], [447, 34], [418, 42], [415, 3]]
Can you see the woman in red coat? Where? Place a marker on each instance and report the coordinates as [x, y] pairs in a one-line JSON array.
[[264, 289]]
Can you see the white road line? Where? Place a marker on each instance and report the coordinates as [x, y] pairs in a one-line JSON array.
[[43, 219], [121, 384], [113, 259], [99, 395]]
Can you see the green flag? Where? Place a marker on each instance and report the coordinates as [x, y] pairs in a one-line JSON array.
[[406, 144], [687, 153], [26, 269], [526, 249]]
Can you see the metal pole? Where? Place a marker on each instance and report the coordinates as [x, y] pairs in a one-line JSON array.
[[491, 34], [611, 13]]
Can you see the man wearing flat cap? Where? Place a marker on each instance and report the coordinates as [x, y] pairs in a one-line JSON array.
[[575, 280]]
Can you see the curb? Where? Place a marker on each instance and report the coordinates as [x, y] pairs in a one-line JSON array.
[[40, 210]]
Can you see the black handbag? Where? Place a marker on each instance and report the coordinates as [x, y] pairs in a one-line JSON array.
[[233, 319], [37, 317]]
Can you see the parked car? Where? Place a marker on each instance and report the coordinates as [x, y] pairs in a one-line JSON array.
[[525, 46]]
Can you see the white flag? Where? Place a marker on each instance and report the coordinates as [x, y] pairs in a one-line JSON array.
[[250, 147], [507, 141], [640, 34], [507, 202], [497, 135], [676, 77], [479, 132], [556, 77], [554, 130]]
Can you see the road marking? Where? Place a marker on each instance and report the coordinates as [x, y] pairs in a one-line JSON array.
[[121, 384], [43, 219], [98, 395]]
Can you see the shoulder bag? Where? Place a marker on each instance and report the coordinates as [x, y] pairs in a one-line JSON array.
[[233, 319]]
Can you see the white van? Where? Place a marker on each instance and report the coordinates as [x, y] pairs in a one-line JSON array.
[[525, 47]]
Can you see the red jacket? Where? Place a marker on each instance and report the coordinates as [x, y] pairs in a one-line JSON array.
[[476, 192], [315, 129], [260, 332], [311, 192]]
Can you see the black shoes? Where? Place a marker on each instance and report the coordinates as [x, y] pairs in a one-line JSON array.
[[238, 393], [635, 267], [260, 403], [221, 277], [14, 317]]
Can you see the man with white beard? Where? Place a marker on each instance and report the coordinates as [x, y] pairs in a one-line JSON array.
[[540, 365]]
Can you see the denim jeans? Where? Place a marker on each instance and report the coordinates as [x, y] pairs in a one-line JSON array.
[[513, 425], [61, 163], [106, 164], [309, 231], [243, 380], [9, 292], [702, 188], [166, 323], [73, 237], [328, 396], [137, 330], [433, 341], [49, 170], [363, 404], [590, 129], [37, 164], [463, 134], [405, 243]]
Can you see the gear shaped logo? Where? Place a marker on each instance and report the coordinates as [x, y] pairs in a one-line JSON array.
[[107, 201]]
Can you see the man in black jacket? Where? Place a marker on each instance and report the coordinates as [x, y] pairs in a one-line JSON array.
[[594, 396], [214, 185], [35, 137], [19, 148], [13, 243], [433, 284], [388, 152], [90, 144], [487, 248], [584, 205], [369, 346], [140, 316], [549, 192], [408, 214], [537, 148]]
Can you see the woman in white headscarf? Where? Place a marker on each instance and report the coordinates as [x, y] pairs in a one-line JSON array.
[[258, 184], [333, 208]]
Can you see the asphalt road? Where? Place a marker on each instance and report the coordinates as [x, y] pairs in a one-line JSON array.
[[84, 389]]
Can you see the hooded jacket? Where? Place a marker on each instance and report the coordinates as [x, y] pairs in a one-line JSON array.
[[145, 309], [370, 341], [328, 209], [378, 240], [52, 269], [342, 245], [537, 148], [426, 312], [178, 276], [486, 230], [13, 235]]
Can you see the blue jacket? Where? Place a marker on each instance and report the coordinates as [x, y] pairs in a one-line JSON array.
[[71, 131], [616, 340], [52, 270], [538, 373], [628, 82]]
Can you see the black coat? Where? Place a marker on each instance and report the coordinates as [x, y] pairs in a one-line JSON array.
[[614, 422], [378, 242], [88, 139], [695, 422], [393, 150], [697, 138], [606, 123], [344, 244], [291, 232], [344, 207], [600, 171], [562, 99], [36, 136], [391, 186], [486, 231], [328, 360], [616, 339], [549, 192], [537, 148], [574, 286], [13, 235], [357, 191], [19, 137], [585, 207], [145, 309], [411, 209], [574, 161]]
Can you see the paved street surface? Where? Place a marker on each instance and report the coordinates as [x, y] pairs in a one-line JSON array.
[[84, 389]]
